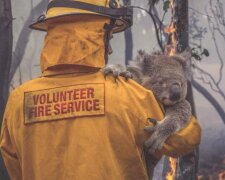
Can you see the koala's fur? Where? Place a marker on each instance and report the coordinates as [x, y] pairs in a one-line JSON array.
[[167, 77]]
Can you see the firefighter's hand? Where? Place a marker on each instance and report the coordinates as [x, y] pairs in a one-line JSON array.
[[158, 137], [116, 70]]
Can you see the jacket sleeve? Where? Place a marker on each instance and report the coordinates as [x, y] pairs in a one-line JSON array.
[[7, 145], [178, 144], [184, 141]]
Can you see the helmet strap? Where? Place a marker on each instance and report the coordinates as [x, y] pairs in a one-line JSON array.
[[108, 35]]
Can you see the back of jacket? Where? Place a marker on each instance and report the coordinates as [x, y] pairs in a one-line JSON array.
[[68, 127], [73, 124]]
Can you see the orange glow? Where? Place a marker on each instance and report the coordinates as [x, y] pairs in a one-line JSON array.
[[172, 174], [169, 29], [222, 176], [219, 176], [170, 49], [202, 177]]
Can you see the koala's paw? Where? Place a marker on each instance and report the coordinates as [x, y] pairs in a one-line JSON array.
[[157, 139], [127, 75], [116, 70]]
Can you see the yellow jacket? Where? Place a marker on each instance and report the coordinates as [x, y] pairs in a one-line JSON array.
[[72, 123]]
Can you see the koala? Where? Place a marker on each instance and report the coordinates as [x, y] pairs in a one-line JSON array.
[[167, 77]]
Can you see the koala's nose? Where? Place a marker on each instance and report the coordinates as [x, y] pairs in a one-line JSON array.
[[175, 92]]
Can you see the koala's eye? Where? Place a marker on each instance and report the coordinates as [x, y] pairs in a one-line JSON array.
[[179, 84], [176, 84]]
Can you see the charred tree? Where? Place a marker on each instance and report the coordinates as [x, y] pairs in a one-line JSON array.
[[5, 62], [187, 166], [128, 45]]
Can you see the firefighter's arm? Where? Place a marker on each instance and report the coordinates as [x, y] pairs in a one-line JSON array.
[[180, 143], [183, 141], [7, 146]]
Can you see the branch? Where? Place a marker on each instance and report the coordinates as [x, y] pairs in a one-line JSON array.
[[198, 12], [158, 21], [20, 76], [127, 2], [212, 30], [23, 39], [210, 98], [218, 90], [149, 12], [156, 28]]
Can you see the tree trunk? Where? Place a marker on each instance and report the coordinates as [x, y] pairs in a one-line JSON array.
[[5, 62], [128, 39], [128, 46], [187, 166]]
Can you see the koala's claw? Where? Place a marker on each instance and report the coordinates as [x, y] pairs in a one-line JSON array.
[[107, 70], [151, 128], [116, 74], [153, 121], [116, 71], [127, 75]]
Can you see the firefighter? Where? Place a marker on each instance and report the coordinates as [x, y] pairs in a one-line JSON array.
[[72, 123]]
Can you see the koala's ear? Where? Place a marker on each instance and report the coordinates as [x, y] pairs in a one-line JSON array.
[[141, 53], [140, 65], [136, 73], [185, 59], [135, 66], [141, 60], [137, 62]]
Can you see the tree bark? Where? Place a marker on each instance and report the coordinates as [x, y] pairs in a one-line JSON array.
[[128, 46], [187, 166], [128, 39], [5, 62]]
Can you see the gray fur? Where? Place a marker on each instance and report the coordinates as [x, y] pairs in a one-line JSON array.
[[167, 77]]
